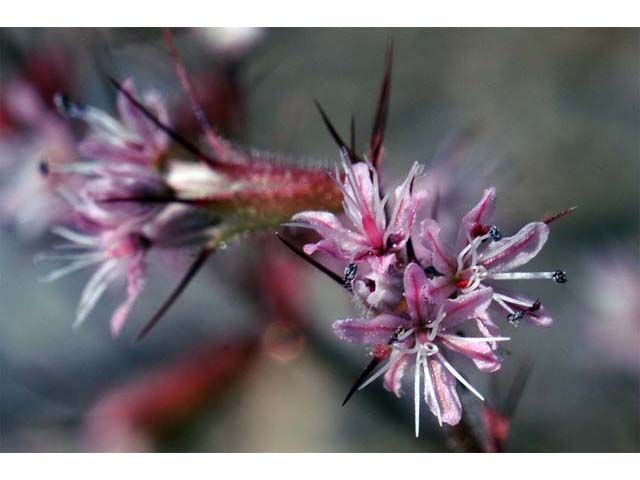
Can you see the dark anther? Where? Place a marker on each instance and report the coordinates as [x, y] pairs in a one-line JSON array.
[[514, 318], [559, 276], [431, 272], [350, 272], [495, 233], [63, 103], [399, 331], [43, 168]]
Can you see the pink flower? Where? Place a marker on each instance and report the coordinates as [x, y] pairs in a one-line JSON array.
[[29, 200], [115, 253], [483, 257], [133, 138], [379, 282], [112, 194], [419, 333], [370, 232]]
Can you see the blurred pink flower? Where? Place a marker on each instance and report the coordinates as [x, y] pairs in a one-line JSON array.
[[133, 138], [116, 253], [613, 324], [30, 155]]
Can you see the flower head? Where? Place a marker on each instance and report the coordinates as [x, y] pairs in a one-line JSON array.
[[483, 256], [372, 230], [132, 138], [420, 333], [116, 253]]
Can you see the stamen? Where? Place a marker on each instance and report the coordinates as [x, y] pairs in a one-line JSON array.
[[528, 275], [378, 373], [458, 338], [460, 378], [511, 300], [473, 247], [436, 324], [416, 389], [501, 302]]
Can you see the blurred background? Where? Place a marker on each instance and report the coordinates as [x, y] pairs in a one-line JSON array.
[[246, 360]]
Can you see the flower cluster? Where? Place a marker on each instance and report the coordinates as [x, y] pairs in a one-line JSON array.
[[421, 294], [130, 195]]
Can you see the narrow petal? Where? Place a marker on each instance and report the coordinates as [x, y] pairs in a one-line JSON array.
[[438, 289], [97, 149], [131, 115], [393, 377], [464, 307], [404, 211], [378, 330], [480, 352], [136, 279], [337, 240], [488, 328], [509, 253], [438, 255], [415, 282], [481, 214], [444, 385]]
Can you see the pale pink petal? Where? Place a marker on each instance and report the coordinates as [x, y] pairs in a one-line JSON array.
[[446, 395], [481, 214], [438, 289], [338, 241], [487, 327], [156, 105], [393, 377], [131, 115], [378, 330], [100, 150], [136, 279], [404, 212], [437, 254], [464, 307], [509, 253], [415, 282], [480, 352]]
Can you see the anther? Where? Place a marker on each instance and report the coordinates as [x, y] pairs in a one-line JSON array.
[[495, 233], [63, 103], [514, 318], [559, 276], [350, 272], [43, 168]]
